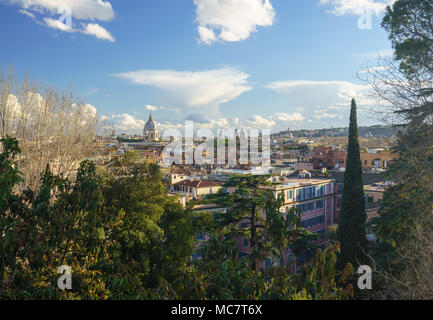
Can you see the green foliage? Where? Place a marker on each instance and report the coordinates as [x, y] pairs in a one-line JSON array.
[[319, 280], [9, 174], [124, 239], [323, 281], [225, 277], [409, 203], [256, 216], [352, 217], [120, 235], [408, 23]]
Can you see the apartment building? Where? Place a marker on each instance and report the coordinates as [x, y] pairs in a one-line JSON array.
[[202, 236], [376, 159], [196, 188], [328, 157], [317, 199]]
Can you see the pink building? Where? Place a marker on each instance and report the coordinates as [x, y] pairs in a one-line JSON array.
[[317, 198], [328, 157]]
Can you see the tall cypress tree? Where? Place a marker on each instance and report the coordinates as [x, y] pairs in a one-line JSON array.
[[352, 218]]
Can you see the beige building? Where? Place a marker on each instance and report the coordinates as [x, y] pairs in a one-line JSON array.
[[176, 177], [196, 188], [374, 194], [379, 159], [181, 199]]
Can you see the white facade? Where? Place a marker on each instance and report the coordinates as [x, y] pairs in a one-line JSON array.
[[150, 132]]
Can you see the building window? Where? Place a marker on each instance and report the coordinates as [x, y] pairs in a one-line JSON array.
[[245, 243], [200, 236], [321, 191], [310, 192], [197, 254], [243, 254], [306, 207], [309, 223], [320, 204]]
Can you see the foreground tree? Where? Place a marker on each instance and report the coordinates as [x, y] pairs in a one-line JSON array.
[[405, 83], [51, 126], [123, 239], [256, 215], [120, 235], [352, 218]]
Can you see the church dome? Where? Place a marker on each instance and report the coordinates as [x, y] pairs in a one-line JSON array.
[[150, 125]]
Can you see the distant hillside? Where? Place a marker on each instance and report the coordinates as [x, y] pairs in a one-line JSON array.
[[377, 131]]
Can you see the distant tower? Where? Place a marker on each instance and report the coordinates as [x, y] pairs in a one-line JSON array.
[[290, 133], [150, 131]]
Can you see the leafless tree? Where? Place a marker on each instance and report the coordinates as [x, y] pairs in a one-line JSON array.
[[414, 281], [52, 128], [403, 88], [392, 91]]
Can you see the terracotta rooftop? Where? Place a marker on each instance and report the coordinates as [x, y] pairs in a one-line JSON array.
[[208, 206], [295, 183], [198, 184]]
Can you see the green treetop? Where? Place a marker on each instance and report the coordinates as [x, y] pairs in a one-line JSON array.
[[352, 218]]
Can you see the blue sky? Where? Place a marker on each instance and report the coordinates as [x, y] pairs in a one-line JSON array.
[[224, 63]]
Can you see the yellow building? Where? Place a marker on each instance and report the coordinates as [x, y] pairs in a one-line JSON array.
[[379, 159]]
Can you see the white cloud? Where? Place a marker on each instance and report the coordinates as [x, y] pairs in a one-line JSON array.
[[318, 98], [127, 123], [324, 115], [385, 53], [56, 24], [318, 92], [372, 69], [27, 13], [201, 90], [259, 122], [207, 36], [80, 9], [275, 122], [233, 20], [151, 108], [285, 117], [98, 31], [52, 13], [357, 7], [124, 122], [90, 110]]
